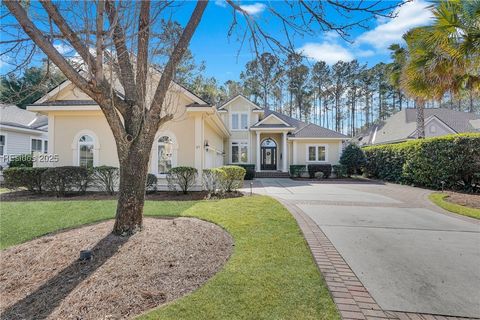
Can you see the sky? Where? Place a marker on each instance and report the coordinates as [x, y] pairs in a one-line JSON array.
[[224, 60], [211, 44]]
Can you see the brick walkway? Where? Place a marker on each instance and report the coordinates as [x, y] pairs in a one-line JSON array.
[[351, 297]]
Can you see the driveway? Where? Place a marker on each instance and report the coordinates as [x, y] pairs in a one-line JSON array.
[[410, 255]]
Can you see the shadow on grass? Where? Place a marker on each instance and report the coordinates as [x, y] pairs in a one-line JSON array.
[[43, 301]]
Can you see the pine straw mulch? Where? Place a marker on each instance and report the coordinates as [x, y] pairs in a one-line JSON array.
[[464, 199], [24, 195], [43, 278]]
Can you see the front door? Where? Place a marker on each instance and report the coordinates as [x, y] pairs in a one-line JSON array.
[[269, 158]]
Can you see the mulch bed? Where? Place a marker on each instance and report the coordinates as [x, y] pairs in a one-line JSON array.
[[24, 195], [43, 278], [464, 199]]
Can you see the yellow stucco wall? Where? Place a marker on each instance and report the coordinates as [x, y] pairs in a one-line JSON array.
[[333, 150]]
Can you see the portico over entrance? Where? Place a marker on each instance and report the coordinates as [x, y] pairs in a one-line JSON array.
[[271, 149]]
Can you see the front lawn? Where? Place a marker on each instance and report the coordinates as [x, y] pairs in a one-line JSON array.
[[440, 200], [271, 274]]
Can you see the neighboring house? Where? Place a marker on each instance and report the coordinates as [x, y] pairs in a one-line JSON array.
[[21, 132], [402, 126], [200, 135]]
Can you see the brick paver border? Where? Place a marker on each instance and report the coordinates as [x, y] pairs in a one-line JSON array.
[[353, 300]]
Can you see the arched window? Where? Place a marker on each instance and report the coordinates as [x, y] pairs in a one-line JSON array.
[[165, 153], [268, 143], [85, 151]]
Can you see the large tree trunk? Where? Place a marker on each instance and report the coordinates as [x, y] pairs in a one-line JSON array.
[[420, 105], [131, 195]]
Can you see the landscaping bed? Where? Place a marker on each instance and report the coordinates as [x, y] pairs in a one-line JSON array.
[[269, 275], [460, 203], [25, 195], [44, 279]]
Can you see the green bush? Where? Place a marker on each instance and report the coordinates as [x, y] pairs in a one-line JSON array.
[[340, 171], [23, 160], [353, 159], [296, 170], [105, 178], [212, 180], [326, 169], [64, 180], [233, 179], [250, 170], [181, 177], [151, 184], [452, 160], [24, 177]]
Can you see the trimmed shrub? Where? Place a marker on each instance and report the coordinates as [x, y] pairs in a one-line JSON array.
[[340, 171], [106, 178], [326, 169], [250, 170], [296, 170], [64, 180], [24, 177], [151, 184], [353, 159], [233, 179], [452, 161], [182, 178], [23, 160], [212, 180]]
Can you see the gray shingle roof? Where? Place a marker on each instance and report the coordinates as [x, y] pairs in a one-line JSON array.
[[401, 125], [306, 130], [14, 116]]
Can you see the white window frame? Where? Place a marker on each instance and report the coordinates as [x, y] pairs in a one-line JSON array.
[[4, 144], [240, 142], [96, 147], [41, 144], [316, 153], [154, 153], [79, 144], [239, 122]]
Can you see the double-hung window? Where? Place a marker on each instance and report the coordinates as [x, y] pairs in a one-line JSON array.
[[317, 153], [239, 121], [2, 144], [37, 145], [239, 152]]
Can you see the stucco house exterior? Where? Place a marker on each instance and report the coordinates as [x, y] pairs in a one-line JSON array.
[[21, 132], [402, 126], [200, 135]]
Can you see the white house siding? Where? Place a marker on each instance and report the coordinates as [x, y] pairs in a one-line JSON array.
[[18, 143]]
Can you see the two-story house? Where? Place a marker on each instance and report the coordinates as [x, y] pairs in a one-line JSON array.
[[200, 135]]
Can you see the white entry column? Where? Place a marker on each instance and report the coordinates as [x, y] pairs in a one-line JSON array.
[[284, 152], [257, 149]]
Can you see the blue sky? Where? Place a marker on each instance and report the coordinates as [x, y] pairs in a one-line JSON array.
[[224, 61], [211, 43]]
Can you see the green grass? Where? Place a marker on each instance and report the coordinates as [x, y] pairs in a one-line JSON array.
[[270, 275], [439, 200]]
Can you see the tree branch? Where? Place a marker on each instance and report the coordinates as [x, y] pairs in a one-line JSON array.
[[142, 51]]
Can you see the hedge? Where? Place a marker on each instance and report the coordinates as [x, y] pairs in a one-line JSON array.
[[234, 178], [23, 160], [24, 177], [326, 169], [450, 162], [296, 170], [64, 180], [181, 177], [352, 159], [106, 178], [250, 170]]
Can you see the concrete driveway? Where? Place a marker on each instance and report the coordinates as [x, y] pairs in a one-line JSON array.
[[410, 255]]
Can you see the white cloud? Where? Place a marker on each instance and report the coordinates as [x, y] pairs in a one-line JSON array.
[[221, 3], [411, 14], [254, 9], [62, 48], [325, 51]]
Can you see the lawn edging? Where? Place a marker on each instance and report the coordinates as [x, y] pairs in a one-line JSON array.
[[440, 200]]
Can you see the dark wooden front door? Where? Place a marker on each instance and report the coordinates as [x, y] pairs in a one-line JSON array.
[[269, 158]]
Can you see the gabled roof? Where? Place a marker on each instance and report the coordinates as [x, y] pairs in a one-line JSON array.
[[14, 116], [402, 125], [313, 131], [282, 123], [240, 96]]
